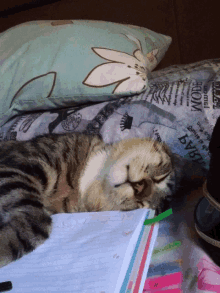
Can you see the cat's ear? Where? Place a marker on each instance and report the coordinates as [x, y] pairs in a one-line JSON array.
[[157, 147], [166, 149], [161, 172]]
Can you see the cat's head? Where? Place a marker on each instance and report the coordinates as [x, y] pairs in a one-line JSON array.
[[129, 175]]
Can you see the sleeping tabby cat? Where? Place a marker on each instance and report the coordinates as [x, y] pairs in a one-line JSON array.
[[74, 173]]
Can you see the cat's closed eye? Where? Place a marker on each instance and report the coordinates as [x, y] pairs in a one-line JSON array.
[[161, 177]]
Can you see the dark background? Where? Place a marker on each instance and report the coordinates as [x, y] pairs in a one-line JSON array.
[[192, 24]]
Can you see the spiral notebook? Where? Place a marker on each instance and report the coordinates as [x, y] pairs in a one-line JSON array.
[[103, 252]]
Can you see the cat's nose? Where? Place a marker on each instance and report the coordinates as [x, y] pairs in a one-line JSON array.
[[142, 187], [138, 186]]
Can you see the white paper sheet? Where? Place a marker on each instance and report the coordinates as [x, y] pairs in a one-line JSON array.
[[87, 252]]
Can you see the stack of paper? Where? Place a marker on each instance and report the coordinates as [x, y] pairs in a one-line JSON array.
[[103, 252]]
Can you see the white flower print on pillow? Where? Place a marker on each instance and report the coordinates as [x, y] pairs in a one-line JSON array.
[[129, 72]]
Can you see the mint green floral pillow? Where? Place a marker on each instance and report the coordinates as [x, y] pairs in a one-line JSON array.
[[54, 64]]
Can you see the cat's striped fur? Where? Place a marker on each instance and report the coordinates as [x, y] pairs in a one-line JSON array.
[[74, 173]]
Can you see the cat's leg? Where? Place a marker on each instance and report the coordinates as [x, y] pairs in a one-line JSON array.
[[24, 224]]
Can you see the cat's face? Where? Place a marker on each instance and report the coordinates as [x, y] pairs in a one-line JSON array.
[[132, 175]]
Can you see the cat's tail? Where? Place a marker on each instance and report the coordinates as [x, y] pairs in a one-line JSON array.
[[24, 222]]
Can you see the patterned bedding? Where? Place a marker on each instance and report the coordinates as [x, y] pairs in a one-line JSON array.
[[180, 107]]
